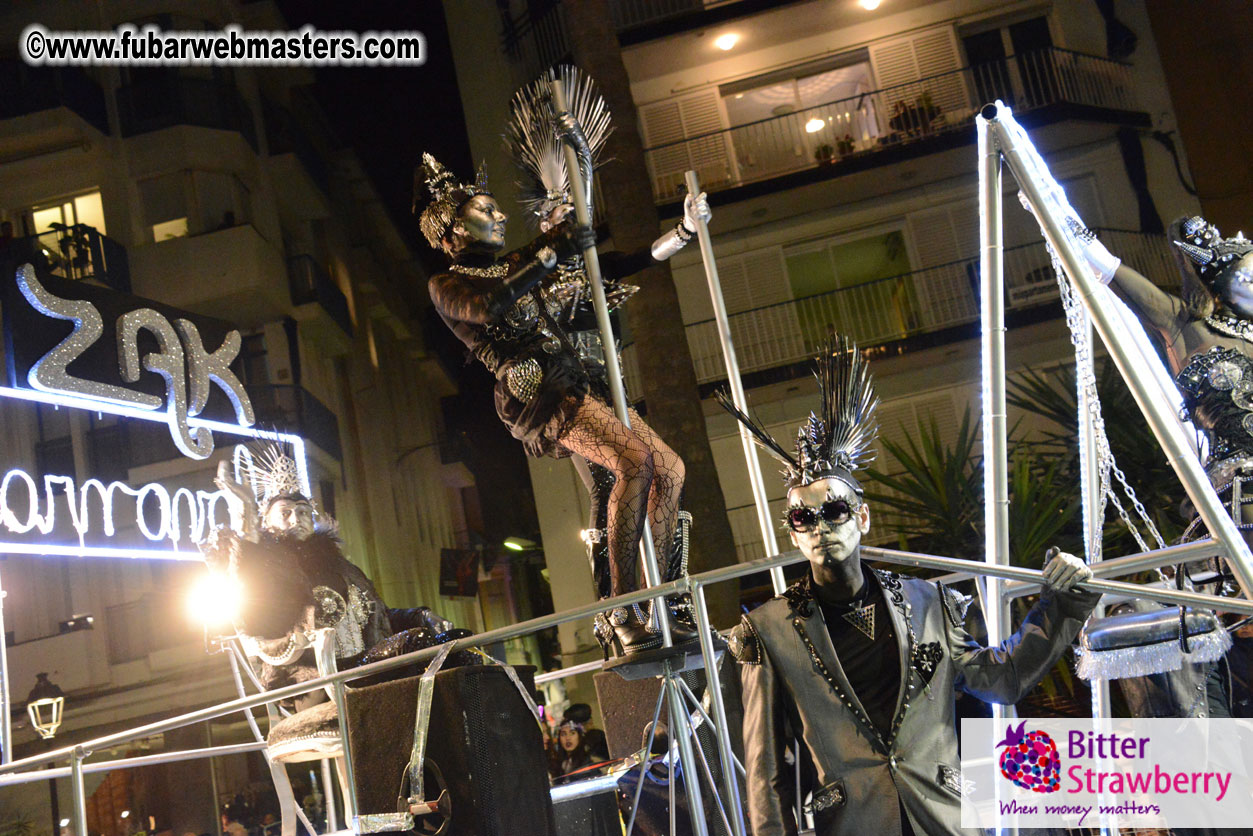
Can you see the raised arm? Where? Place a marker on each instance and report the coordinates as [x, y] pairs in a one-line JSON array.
[[469, 301]]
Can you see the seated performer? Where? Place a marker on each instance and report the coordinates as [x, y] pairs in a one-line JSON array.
[[539, 153], [861, 664], [545, 395], [292, 571]]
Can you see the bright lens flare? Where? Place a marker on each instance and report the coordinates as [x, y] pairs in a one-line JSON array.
[[814, 125], [727, 41], [214, 600], [868, 5]]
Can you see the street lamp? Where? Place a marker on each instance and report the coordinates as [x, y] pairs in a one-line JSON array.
[[44, 705]]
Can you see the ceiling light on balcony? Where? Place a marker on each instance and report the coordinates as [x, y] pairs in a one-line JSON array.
[[727, 41], [869, 5], [814, 125]]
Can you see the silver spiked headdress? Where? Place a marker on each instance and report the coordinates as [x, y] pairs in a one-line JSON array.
[[536, 148], [447, 196], [839, 439], [270, 471], [1210, 256]]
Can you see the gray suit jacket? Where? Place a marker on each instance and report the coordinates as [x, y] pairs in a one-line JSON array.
[[793, 682]]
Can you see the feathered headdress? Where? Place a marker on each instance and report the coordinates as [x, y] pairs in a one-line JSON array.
[[536, 148], [447, 196], [1211, 258], [838, 441], [271, 472]]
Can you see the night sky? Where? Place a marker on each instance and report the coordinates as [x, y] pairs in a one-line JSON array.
[[390, 115]]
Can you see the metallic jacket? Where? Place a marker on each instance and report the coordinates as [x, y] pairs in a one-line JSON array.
[[793, 684]]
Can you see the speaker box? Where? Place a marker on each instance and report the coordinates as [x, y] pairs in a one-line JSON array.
[[592, 815], [482, 737], [627, 708]]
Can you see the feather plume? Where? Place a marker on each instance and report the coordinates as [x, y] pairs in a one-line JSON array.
[[840, 439], [535, 146]]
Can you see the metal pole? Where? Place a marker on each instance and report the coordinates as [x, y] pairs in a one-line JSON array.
[[350, 778], [713, 685], [995, 445], [80, 791], [648, 554], [6, 722], [328, 793], [755, 480], [680, 728], [1131, 363]]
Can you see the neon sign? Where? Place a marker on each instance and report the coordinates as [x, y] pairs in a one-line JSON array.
[[188, 369]]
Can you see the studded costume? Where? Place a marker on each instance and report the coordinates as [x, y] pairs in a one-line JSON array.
[[880, 745]]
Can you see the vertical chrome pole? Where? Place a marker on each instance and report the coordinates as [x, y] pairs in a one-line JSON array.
[[350, 777], [992, 352], [79, 791], [755, 480], [995, 444], [328, 793], [681, 731], [6, 724], [1131, 363], [713, 686], [652, 573]]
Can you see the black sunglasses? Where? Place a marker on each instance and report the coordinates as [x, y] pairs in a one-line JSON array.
[[803, 518]]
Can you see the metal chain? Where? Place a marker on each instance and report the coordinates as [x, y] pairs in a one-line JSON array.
[[1106, 465]]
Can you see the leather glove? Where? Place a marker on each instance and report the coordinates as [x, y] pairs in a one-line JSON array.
[[1063, 571]]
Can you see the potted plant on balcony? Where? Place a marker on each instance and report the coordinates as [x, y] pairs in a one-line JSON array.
[[824, 154], [844, 146]]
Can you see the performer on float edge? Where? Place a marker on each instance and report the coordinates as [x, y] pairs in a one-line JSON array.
[[537, 150], [1207, 336], [861, 664], [289, 564], [544, 394]]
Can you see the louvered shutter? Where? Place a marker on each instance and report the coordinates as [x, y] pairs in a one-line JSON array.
[[675, 120], [923, 63], [766, 336], [943, 284]]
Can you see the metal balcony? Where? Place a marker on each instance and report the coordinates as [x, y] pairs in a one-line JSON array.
[[294, 409], [849, 134], [897, 308], [168, 99], [76, 252], [309, 282], [25, 89]]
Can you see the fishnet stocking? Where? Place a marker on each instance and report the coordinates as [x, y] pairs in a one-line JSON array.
[[632, 455]]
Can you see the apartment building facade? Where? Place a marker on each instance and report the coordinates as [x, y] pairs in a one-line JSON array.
[[838, 146], [215, 191]]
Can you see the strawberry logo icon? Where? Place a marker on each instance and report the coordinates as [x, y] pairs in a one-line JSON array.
[[1030, 759]]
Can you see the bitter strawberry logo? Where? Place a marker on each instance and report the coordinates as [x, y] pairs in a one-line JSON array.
[[1030, 759]]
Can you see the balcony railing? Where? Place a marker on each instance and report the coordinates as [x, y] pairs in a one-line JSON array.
[[171, 99], [309, 282], [76, 252], [896, 308], [25, 89], [888, 118], [294, 409]]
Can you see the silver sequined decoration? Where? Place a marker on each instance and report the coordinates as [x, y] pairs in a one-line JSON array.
[[1225, 375], [205, 367], [523, 313], [167, 361], [524, 378], [48, 374], [347, 617]]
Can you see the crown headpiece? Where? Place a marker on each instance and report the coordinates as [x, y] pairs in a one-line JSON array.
[[270, 471], [1211, 256], [839, 439], [535, 146], [447, 196]]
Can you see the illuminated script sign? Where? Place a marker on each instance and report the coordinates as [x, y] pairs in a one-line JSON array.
[[98, 347]]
